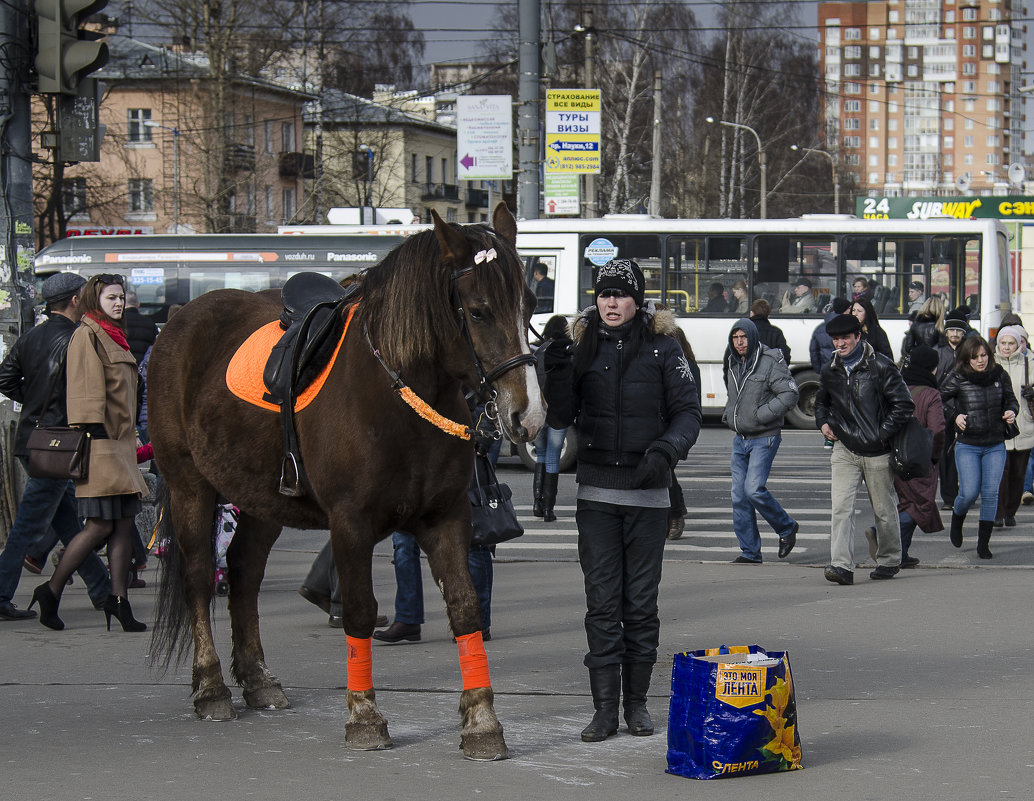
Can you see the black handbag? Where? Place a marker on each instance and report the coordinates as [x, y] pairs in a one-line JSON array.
[[58, 451], [492, 516]]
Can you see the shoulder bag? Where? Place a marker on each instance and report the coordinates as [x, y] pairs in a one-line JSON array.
[[1026, 390], [493, 518], [911, 450], [58, 451]]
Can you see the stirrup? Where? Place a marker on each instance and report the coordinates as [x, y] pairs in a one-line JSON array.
[[290, 479]]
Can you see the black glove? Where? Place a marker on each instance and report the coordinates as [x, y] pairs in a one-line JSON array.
[[651, 471]]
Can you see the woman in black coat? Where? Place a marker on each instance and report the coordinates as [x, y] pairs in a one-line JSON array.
[[872, 333], [979, 403], [553, 363]]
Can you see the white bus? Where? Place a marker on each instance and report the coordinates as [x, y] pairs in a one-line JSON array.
[[686, 262]]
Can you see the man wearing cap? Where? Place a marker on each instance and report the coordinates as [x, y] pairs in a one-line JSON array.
[[36, 362], [861, 403], [916, 297], [637, 413], [761, 392], [800, 301]]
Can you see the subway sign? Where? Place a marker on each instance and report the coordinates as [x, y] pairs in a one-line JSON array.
[[1007, 207]]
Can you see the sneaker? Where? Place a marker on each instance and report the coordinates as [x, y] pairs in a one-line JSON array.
[[908, 562], [828, 444], [1027, 498], [838, 575], [32, 565], [870, 537], [882, 572], [743, 560]]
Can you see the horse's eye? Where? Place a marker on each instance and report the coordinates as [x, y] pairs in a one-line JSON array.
[[479, 315]]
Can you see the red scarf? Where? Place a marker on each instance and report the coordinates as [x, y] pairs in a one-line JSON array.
[[110, 329]]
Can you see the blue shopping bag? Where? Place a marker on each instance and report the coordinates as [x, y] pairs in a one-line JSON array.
[[732, 713]]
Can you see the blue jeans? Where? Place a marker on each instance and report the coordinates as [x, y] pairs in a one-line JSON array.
[[46, 502], [1028, 481], [548, 445], [750, 464], [409, 584], [980, 473]]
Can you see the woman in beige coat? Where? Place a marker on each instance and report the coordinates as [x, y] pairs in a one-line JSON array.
[[102, 378]]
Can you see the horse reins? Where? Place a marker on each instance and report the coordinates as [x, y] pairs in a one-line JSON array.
[[484, 391]]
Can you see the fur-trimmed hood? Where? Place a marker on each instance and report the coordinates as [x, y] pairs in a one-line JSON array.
[[659, 321]]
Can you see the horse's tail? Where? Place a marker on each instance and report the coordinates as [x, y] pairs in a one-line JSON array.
[[169, 640]]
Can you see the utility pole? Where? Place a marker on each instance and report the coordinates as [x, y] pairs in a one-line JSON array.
[[590, 83], [655, 173], [17, 245], [528, 115]]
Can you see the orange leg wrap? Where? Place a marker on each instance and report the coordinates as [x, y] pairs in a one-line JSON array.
[[473, 661], [360, 663]]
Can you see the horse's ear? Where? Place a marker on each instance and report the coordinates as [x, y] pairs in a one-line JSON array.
[[454, 246], [504, 224]]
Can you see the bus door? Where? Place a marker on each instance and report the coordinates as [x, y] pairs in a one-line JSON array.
[[540, 273]]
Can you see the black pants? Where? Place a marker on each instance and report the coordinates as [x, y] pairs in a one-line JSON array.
[[1010, 491], [620, 549], [949, 473]]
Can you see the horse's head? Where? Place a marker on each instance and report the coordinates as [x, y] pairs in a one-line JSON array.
[[489, 291]]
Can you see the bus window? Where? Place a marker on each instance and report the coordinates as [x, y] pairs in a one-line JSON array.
[[205, 281], [955, 271], [888, 265], [707, 274], [796, 275], [644, 249], [540, 273], [150, 287]]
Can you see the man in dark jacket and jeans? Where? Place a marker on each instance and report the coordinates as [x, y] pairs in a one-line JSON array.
[[861, 403], [761, 392], [35, 366]]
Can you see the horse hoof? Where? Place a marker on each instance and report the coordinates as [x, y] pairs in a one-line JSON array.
[[267, 698], [367, 736], [487, 747], [217, 709]]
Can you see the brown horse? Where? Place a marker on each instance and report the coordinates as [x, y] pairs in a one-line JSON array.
[[443, 309]]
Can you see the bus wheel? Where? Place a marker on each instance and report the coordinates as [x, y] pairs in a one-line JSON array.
[[568, 454], [803, 414]]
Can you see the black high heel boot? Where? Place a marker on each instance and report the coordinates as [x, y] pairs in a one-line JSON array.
[[48, 604], [536, 488], [118, 606], [549, 489]]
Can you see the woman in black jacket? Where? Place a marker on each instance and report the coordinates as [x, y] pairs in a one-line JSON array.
[[637, 414], [928, 328], [872, 333], [553, 362], [979, 403]]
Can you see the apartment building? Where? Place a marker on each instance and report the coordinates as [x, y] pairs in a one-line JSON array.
[[922, 96]]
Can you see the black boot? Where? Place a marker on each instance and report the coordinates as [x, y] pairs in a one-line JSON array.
[[48, 604], [549, 483], [635, 681], [117, 606], [956, 529], [605, 683], [984, 538], [536, 488]]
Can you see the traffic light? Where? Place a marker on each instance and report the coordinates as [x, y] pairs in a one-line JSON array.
[[65, 54]]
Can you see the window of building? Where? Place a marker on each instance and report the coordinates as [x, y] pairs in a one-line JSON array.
[[852, 124], [987, 33], [994, 86], [967, 159], [874, 177], [969, 51], [874, 141], [948, 160], [874, 70], [853, 51], [892, 16], [852, 141], [994, 68], [967, 141], [874, 88], [874, 34], [968, 124], [913, 70], [268, 133], [874, 160], [994, 14], [892, 124], [992, 122], [852, 34], [988, 51], [270, 211], [852, 88], [892, 159], [969, 32], [249, 200], [993, 140], [949, 142], [852, 70], [852, 159], [287, 140], [892, 141], [949, 105], [73, 197], [287, 204], [429, 168], [445, 171], [969, 14], [874, 52], [136, 117], [249, 130], [949, 16], [874, 106], [412, 168], [994, 104], [969, 104], [853, 106], [141, 195], [969, 68], [874, 124]]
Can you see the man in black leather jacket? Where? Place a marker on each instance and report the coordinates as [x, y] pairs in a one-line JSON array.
[[861, 403], [36, 362]]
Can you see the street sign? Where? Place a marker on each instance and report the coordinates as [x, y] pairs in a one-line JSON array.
[[484, 137], [572, 131], [561, 194]]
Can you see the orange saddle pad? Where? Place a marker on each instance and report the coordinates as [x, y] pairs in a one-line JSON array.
[[244, 373]]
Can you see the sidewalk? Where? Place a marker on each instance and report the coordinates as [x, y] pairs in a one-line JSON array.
[[915, 688]]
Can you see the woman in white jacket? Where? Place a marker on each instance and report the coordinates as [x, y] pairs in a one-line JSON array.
[[1015, 358]]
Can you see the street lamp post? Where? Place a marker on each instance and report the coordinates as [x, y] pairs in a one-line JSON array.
[[833, 163], [762, 161], [369, 184], [176, 170]]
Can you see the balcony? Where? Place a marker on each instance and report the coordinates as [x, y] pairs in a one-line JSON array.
[[239, 158], [297, 165], [440, 192], [478, 198]]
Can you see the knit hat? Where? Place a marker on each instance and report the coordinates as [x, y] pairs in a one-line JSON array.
[[61, 286], [840, 305], [1017, 332], [623, 274], [843, 324], [924, 357], [957, 318]]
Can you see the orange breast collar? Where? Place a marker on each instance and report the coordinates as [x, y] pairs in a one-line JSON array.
[[244, 373]]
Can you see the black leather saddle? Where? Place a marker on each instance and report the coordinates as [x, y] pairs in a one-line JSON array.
[[313, 324]]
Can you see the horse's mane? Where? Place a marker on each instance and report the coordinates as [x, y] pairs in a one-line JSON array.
[[406, 302]]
